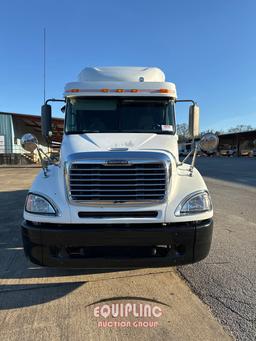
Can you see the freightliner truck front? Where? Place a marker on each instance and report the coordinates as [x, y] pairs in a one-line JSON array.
[[119, 195]]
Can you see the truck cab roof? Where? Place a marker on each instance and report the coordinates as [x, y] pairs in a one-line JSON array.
[[121, 81]]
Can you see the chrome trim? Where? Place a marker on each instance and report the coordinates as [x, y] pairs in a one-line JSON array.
[[133, 157]]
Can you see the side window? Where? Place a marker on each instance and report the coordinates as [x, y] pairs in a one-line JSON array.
[[71, 121], [170, 117]]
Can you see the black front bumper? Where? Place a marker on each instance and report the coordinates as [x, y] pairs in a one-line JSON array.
[[68, 245]]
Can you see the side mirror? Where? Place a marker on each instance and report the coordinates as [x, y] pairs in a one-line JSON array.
[[29, 142], [194, 120], [46, 120], [209, 142]]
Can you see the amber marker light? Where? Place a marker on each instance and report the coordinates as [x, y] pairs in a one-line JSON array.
[[73, 90], [119, 90], [104, 90], [164, 91], [134, 90]]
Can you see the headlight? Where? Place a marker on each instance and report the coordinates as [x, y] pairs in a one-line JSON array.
[[197, 202], [39, 205]]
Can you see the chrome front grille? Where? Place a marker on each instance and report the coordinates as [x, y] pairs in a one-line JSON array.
[[124, 182]]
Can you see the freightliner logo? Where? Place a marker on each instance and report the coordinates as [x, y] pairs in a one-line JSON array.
[[117, 163]]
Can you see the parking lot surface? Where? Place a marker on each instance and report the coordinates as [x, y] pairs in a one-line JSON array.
[[38, 303], [226, 279]]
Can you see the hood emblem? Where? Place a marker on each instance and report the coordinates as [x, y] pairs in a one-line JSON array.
[[117, 163]]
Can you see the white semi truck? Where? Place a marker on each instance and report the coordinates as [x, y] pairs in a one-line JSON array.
[[119, 196]]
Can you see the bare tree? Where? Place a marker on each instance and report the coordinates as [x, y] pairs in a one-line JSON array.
[[216, 132], [240, 127], [183, 132]]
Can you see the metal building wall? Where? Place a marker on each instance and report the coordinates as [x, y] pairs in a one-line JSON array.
[[6, 130]]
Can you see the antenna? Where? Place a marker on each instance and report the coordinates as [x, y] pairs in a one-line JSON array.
[[44, 62]]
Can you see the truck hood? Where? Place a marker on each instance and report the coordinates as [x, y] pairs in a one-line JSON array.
[[109, 141]]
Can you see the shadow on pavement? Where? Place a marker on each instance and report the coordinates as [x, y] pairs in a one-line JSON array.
[[19, 295], [14, 265]]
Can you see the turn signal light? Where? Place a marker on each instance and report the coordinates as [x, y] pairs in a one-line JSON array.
[[73, 90], [164, 91], [104, 90], [134, 90], [119, 90]]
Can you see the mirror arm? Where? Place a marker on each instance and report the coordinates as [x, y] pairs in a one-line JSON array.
[[54, 100], [185, 159], [193, 159], [185, 100], [43, 161], [44, 167], [194, 150]]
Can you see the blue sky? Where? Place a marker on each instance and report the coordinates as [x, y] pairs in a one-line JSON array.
[[208, 48]]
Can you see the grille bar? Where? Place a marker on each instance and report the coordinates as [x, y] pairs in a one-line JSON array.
[[139, 182], [120, 190], [136, 175], [112, 169], [118, 185], [122, 179], [111, 195]]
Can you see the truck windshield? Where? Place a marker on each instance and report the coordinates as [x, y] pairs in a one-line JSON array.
[[131, 115]]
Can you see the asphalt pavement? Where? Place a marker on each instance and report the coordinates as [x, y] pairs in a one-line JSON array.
[[226, 279], [39, 303], [50, 304]]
